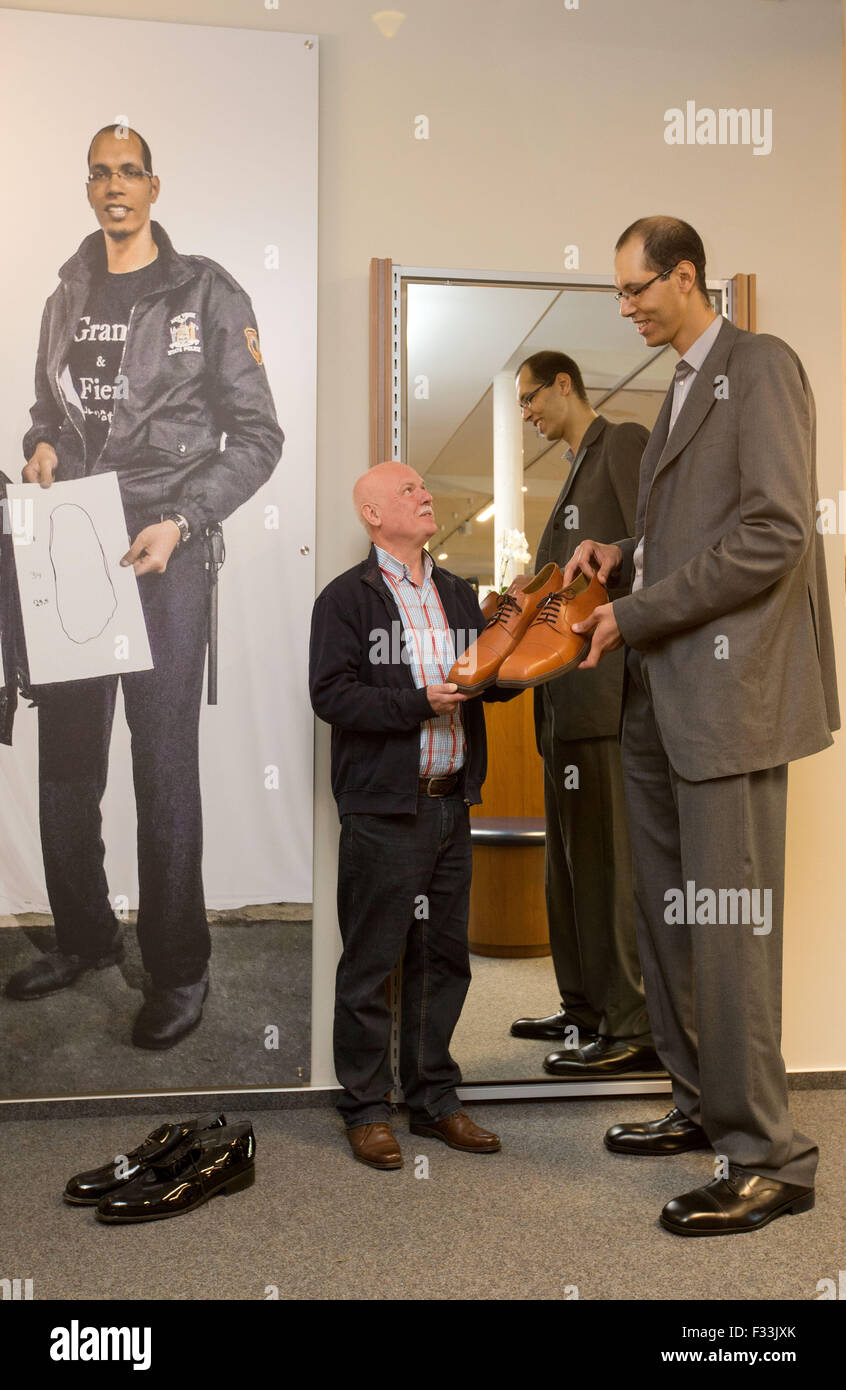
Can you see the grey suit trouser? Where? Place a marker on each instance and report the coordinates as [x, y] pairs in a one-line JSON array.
[[589, 897], [713, 988]]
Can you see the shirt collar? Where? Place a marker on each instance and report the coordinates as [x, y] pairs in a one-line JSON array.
[[398, 569], [698, 351]]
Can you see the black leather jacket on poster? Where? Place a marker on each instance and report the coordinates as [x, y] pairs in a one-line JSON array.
[[194, 371]]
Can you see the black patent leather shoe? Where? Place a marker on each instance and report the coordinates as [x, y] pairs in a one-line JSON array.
[[54, 970], [603, 1057], [168, 1015], [217, 1160], [87, 1189], [555, 1028], [675, 1134], [729, 1206]]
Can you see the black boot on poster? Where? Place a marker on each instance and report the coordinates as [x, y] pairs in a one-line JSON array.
[[54, 970], [168, 1015]]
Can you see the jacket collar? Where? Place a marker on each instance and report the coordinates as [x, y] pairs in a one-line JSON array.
[[90, 259], [699, 401]]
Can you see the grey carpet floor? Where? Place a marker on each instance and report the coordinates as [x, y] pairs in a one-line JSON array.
[[552, 1211], [77, 1042]]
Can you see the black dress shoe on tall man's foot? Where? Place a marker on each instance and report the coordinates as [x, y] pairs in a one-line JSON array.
[[167, 1015], [206, 1162], [729, 1206], [675, 1134], [603, 1057], [87, 1189], [555, 1028], [55, 970]]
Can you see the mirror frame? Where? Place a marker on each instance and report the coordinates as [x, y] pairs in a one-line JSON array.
[[387, 430]]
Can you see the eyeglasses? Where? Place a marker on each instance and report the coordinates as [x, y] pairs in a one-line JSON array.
[[130, 173], [629, 295], [525, 401]]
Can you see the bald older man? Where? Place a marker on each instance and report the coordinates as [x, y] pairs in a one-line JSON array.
[[408, 761]]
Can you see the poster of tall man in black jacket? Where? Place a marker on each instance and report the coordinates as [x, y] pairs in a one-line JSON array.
[[149, 365], [408, 760]]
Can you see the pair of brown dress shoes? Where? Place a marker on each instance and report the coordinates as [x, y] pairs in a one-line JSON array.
[[376, 1145], [529, 638]]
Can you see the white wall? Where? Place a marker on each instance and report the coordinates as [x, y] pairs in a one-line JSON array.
[[546, 128]]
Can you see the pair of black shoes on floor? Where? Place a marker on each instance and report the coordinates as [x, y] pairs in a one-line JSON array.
[[167, 1015], [176, 1169], [729, 1205]]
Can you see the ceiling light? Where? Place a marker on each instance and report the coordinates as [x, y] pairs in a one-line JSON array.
[[487, 513], [388, 21], [443, 555]]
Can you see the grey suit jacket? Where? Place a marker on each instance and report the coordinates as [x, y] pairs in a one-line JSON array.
[[586, 704], [733, 620]]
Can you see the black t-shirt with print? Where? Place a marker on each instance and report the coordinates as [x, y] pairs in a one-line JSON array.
[[96, 352]]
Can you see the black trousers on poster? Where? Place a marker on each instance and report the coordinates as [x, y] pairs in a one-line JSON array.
[[162, 710], [403, 883]]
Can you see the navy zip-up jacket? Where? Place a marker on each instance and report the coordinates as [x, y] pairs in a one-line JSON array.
[[373, 706], [193, 365]]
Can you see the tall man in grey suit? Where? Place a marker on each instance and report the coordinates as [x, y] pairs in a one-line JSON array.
[[730, 670], [590, 905]]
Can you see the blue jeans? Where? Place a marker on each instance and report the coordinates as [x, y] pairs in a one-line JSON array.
[[403, 884]]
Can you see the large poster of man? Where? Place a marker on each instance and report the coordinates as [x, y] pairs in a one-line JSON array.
[[162, 280]]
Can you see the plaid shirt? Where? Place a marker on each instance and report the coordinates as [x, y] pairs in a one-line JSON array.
[[431, 649]]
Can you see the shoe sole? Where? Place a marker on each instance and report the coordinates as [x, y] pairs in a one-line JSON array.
[[46, 993], [794, 1208], [551, 676], [655, 1153], [380, 1167], [551, 1037], [475, 689], [428, 1133], [238, 1183], [588, 1074]]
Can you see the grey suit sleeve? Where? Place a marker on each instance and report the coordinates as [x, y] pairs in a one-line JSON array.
[[776, 510]]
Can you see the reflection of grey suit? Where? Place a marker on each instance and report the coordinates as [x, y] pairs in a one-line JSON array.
[[589, 892], [731, 675]]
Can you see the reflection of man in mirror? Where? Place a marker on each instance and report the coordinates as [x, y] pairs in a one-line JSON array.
[[147, 358], [408, 761], [730, 666], [603, 1018]]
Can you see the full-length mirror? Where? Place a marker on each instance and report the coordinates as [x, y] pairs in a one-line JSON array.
[[459, 339]]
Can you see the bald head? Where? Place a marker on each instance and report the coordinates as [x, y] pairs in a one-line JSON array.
[[392, 503]]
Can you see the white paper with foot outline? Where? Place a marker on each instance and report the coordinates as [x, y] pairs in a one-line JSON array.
[[81, 610]]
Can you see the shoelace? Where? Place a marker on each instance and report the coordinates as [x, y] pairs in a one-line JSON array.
[[507, 608], [188, 1149], [549, 609]]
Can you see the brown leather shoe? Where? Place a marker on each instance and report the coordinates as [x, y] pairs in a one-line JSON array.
[[375, 1145], [490, 603], [459, 1132], [477, 667], [549, 648]]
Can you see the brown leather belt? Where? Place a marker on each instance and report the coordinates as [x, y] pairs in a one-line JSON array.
[[438, 786]]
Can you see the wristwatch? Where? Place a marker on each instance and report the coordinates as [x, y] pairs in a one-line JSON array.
[[182, 523]]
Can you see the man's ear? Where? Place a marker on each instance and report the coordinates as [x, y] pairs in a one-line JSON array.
[[155, 185]]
